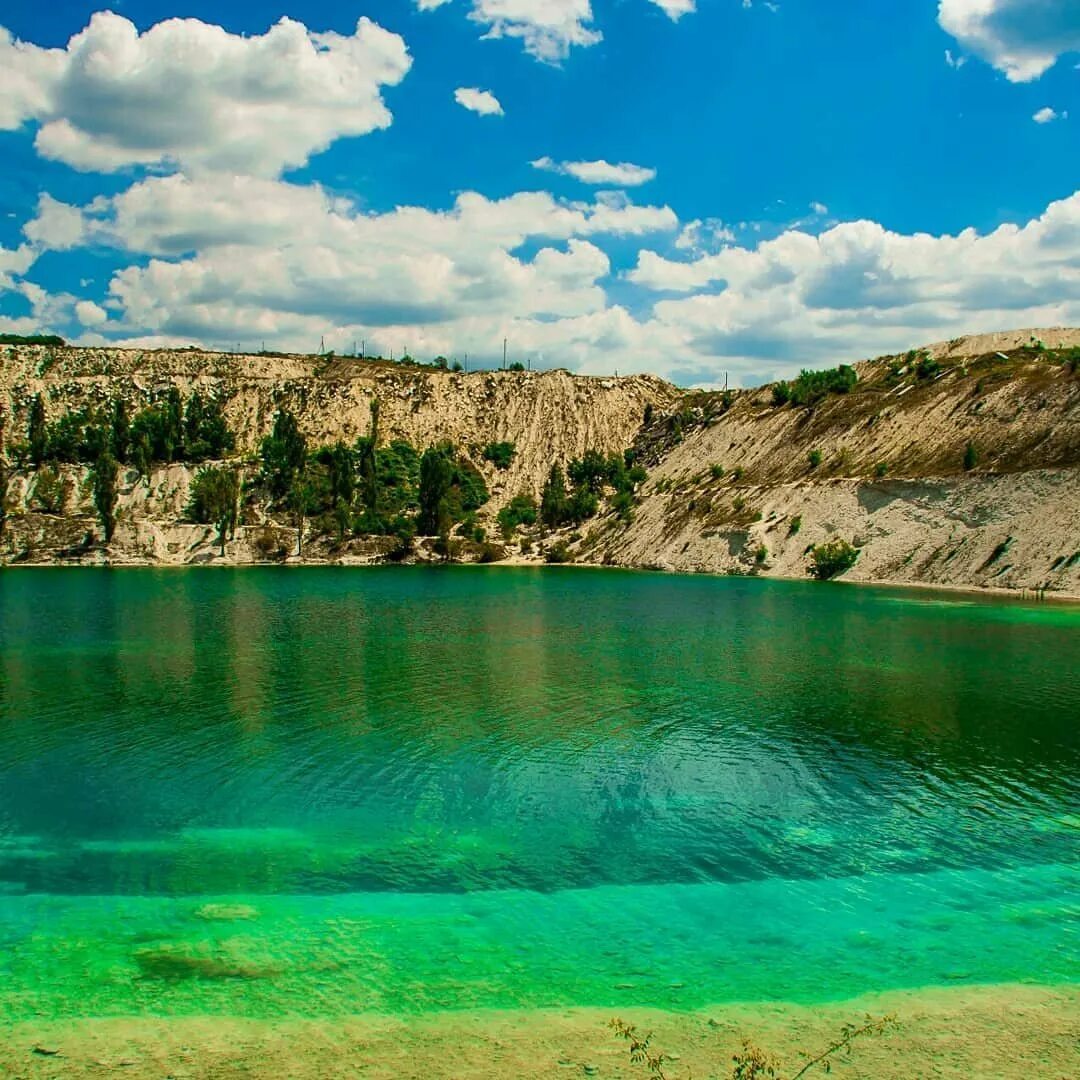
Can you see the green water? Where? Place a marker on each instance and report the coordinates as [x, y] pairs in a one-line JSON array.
[[323, 791]]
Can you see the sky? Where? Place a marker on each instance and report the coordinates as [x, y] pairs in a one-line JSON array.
[[703, 189]]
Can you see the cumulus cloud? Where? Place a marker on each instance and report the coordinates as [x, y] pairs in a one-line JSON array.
[[533, 268], [623, 174], [861, 289], [1022, 38], [1048, 116], [483, 102], [249, 258], [191, 95], [675, 9], [90, 314], [547, 29]]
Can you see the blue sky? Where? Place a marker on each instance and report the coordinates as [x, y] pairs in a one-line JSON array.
[[831, 180]]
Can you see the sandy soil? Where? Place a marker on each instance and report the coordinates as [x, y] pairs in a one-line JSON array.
[[1000, 1032]]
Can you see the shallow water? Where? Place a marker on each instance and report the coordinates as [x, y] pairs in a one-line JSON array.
[[324, 791]]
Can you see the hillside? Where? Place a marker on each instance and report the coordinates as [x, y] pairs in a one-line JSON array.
[[957, 464], [885, 466]]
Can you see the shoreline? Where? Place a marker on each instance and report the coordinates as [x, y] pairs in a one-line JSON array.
[[1020, 596], [1001, 1030]]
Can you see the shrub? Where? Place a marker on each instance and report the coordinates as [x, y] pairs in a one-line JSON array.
[[559, 553], [927, 367], [521, 510], [50, 491], [811, 386], [815, 458], [716, 472], [491, 553], [761, 555], [795, 526], [971, 457], [781, 393], [737, 473], [832, 558], [880, 469], [500, 454]]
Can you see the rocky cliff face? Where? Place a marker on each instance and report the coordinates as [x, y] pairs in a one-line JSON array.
[[956, 465], [887, 467], [549, 416]]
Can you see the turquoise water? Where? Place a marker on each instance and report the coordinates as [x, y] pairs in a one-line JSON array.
[[322, 791]]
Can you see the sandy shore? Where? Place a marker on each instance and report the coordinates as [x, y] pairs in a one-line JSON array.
[[1009, 1031]]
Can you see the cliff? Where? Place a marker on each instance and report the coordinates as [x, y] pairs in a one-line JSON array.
[[957, 465]]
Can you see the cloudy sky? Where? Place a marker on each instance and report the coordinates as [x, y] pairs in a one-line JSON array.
[[689, 187]]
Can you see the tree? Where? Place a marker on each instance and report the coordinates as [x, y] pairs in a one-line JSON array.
[[283, 454], [36, 433], [500, 454], [214, 497], [5, 474], [119, 430], [366, 461], [174, 421], [104, 487], [554, 503], [436, 479]]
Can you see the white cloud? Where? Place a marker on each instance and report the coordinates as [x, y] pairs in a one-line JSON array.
[[675, 9], [547, 29], [1047, 116], [1022, 38], [247, 258], [90, 314], [188, 94], [955, 62], [57, 225], [478, 101], [623, 174], [859, 290]]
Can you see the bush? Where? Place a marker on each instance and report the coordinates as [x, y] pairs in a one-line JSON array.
[[811, 386], [781, 393], [971, 457], [814, 458], [491, 553], [761, 555], [50, 491], [795, 526], [881, 469], [500, 454], [927, 367], [832, 558], [521, 510], [31, 339], [559, 553], [716, 472]]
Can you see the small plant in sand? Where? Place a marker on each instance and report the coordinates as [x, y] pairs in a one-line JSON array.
[[752, 1062], [641, 1052]]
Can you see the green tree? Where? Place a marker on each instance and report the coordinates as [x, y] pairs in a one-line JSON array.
[[36, 432], [971, 457], [103, 485], [500, 454], [554, 501], [521, 510], [119, 430], [366, 449], [283, 453], [436, 480], [214, 500]]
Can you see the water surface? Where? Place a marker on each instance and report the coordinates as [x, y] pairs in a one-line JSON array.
[[323, 791]]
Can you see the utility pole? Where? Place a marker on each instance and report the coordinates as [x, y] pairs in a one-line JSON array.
[[504, 354], [363, 349], [322, 345], [466, 363]]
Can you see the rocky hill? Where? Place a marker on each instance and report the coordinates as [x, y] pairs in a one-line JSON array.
[[958, 464]]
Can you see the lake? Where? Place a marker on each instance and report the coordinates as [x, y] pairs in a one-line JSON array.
[[290, 792]]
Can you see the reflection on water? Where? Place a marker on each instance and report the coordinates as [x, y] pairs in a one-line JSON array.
[[377, 768]]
